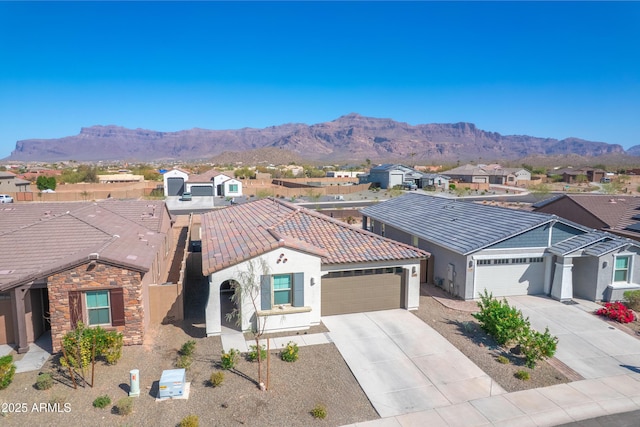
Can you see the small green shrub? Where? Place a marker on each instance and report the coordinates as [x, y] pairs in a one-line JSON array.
[[101, 401], [183, 361], [522, 375], [503, 359], [319, 411], [290, 352], [229, 359], [252, 355], [124, 406], [7, 371], [216, 379], [188, 348], [190, 421], [498, 319], [537, 346], [44, 381], [632, 298]]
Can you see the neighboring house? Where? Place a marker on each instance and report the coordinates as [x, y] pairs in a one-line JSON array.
[[435, 181], [120, 177], [10, 183], [344, 174], [174, 182], [571, 176], [477, 247], [231, 188], [489, 174], [616, 214], [389, 175], [305, 265], [214, 183], [63, 263]]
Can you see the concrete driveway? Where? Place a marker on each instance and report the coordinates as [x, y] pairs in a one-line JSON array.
[[403, 365], [587, 344]]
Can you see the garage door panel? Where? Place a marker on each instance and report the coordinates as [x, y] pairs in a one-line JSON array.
[[362, 293], [510, 279], [201, 190], [175, 186]]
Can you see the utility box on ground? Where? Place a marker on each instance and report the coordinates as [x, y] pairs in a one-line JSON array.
[[172, 383]]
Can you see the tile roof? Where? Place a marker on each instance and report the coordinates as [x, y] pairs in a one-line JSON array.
[[617, 212], [460, 226], [206, 176], [48, 237], [240, 232], [580, 242]]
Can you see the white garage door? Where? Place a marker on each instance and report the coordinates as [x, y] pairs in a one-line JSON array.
[[513, 278]]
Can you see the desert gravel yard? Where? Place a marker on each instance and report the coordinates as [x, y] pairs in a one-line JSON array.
[[320, 376]]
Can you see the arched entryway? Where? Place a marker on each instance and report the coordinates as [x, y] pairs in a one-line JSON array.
[[227, 305]]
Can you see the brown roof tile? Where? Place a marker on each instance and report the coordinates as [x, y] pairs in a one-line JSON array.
[[240, 232], [39, 238]]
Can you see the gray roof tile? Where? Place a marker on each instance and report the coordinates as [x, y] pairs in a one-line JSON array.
[[460, 226]]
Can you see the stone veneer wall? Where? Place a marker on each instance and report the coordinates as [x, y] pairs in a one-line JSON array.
[[84, 278]]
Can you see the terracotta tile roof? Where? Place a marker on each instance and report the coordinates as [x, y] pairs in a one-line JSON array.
[[206, 176], [241, 232], [40, 238]]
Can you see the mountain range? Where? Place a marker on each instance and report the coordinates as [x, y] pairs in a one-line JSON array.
[[348, 138]]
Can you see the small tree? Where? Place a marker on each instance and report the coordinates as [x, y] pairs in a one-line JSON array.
[[46, 183], [247, 288]]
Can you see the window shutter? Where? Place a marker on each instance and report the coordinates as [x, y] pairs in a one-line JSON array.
[[75, 308], [298, 290], [265, 292], [117, 306]]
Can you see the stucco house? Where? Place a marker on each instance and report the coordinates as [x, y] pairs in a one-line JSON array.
[[214, 183], [10, 183], [476, 247], [389, 175], [230, 187], [489, 174], [63, 263], [302, 265], [174, 182]]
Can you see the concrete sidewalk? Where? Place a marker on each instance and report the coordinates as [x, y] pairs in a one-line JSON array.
[[549, 406]]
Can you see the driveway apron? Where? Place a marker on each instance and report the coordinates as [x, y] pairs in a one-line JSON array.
[[403, 365], [587, 344]]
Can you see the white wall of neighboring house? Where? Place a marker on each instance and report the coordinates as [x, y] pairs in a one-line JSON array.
[[287, 318], [175, 173], [229, 186]]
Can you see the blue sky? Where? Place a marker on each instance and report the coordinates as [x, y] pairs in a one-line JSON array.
[[544, 69]]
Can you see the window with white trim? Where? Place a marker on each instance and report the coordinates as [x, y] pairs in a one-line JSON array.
[[621, 269], [98, 308], [484, 262], [233, 188]]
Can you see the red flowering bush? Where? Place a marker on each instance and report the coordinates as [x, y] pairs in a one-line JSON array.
[[617, 311]]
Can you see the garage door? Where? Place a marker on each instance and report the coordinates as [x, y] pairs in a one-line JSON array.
[[513, 278], [201, 190], [175, 186], [355, 294]]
